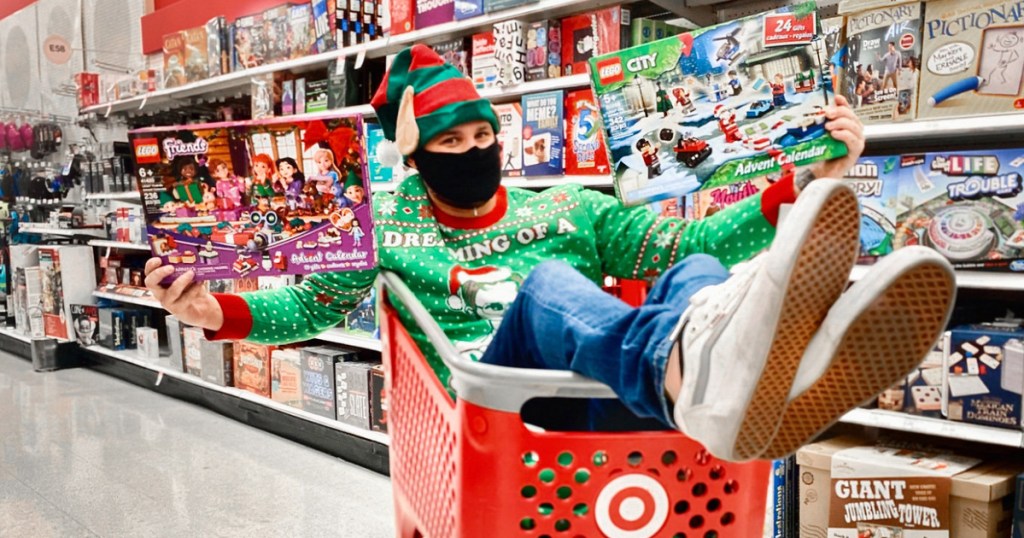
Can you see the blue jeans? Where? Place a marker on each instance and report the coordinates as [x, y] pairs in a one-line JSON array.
[[562, 321]]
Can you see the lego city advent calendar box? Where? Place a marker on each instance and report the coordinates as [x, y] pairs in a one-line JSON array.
[[716, 105], [257, 198]]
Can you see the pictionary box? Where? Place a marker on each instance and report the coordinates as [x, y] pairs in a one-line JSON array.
[[972, 59], [985, 374], [876, 180], [966, 205], [219, 203], [715, 106]]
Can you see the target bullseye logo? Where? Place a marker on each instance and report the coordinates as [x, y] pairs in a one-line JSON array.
[[631, 506]]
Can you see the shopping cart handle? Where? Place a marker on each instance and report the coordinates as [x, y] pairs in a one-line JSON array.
[[495, 387]]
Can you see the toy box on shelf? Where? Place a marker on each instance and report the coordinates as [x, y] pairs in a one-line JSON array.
[[714, 106], [275, 24], [174, 60], [585, 150], [192, 338], [300, 30], [252, 367], [86, 319], [323, 25], [973, 58], [510, 52], [456, 52], [254, 215], [318, 386], [966, 205], [877, 181], [352, 382], [585, 36], [61, 289], [484, 66], [510, 116], [286, 377], [378, 400], [544, 50], [217, 362], [543, 133], [984, 374], [920, 393], [466, 9], [883, 68], [362, 320], [433, 12]]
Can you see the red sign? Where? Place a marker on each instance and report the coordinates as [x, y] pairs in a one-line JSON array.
[[610, 70], [788, 29], [907, 41], [147, 150]]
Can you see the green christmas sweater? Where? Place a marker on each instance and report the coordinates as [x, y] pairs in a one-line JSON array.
[[467, 271]]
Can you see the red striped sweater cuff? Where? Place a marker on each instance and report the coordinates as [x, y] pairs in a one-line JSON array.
[[237, 318], [774, 197]]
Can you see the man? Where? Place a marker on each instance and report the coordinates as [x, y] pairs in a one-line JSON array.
[[892, 61], [720, 359]]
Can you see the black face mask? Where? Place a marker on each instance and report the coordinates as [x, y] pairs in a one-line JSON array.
[[464, 180]]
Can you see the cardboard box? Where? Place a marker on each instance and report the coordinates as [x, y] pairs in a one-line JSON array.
[[87, 89], [60, 289], [301, 36], [112, 323], [403, 16], [323, 26], [275, 26], [252, 367], [484, 66], [378, 400], [248, 42], [192, 338], [456, 52], [585, 150], [498, 5], [286, 377], [433, 12], [920, 393], [984, 375], [641, 31], [971, 60], [135, 318], [197, 54], [147, 343], [706, 202], [585, 36], [964, 205], [86, 320], [543, 133], [708, 108], [217, 362], [174, 60], [374, 138], [883, 68], [510, 117], [467, 9], [318, 385], [967, 501], [352, 381], [218, 48], [176, 360], [877, 182], [316, 95], [544, 50], [510, 52], [362, 320]]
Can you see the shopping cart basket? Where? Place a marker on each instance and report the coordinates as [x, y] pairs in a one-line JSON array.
[[470, 468]]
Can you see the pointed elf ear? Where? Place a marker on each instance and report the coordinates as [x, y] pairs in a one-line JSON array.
[[407, 133]]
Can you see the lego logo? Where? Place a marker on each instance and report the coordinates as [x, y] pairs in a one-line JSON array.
[[147, 150], [610, 70]]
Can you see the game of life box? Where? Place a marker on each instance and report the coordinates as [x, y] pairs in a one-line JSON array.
[[218, 203], [967, 205], [716, 105]]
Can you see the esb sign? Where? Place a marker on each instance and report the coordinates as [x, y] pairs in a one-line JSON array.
[[789, 29]]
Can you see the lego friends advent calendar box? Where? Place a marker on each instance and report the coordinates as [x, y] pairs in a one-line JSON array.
[[257, 198], [716, 105]]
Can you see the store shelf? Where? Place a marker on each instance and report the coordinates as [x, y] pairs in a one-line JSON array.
[[892, 420], [937, 130], [239, 81], [128, 196], [969, 279], [45, 229], [123, 245], [122, 298], [130, 357], [338, 336], [11, 333]]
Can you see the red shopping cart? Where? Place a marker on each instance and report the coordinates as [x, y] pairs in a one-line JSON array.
[[471, 468]]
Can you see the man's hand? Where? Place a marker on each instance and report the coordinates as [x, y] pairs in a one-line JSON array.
[[845, 127], [188, 300]]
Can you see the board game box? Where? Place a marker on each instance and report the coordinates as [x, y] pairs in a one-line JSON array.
[[378, 399], [192, 338], [286, 377], [218, 50], [884, 59], [714, 106], [920, 393], [301, 38], [984, 374], [217, 362], [216, 202], [543, 133], [433, 12], [456, 52], [318, 387], [275, 32], [249, 42], [86, 319], [877, 182], [323, 27], [973, 58], [585, 150], [466, 9], [484, 66], [174, 60], [510, 52], [544, 50], [510, 116], [252, 367], [966, 205], [352, 380]]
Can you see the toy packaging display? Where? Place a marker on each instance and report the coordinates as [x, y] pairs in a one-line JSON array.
[[60, 289], [510, 52], [174, 60], [218, 204], [543, 133], [86, 319], [275, 34], [731, 102], [287, 97], [833, 32], [877, 182], [402, 14], [176, 360], [352, 380], [147, 343], [973, 59], [323, 28], [585, 151], [301, 36], [112, 328], [584, 36], [706, 202], [247, 42], [467, 9], [252, 367], [510, 117], [544, 50], [87, 89], [197, 60], [456, 52], [920, 393], [317, 95], [378, 172], [286, 377], [984, 374], [362, 320], [318, 386], [966, 205], [884, 59], [378, 400], [192, 338], [433, 12], [217, 362], [484, 66]]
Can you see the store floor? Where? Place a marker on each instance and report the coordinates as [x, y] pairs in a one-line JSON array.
[[84, 454]]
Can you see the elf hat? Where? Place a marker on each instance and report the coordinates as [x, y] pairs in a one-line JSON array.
[[352, 180], [421, 96]]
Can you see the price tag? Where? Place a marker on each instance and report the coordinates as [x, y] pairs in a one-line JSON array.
[[788, 29]]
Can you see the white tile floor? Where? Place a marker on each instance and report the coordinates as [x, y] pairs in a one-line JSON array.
[[84, 454]]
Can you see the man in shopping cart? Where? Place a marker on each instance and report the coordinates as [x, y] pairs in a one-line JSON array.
[[752, 364]]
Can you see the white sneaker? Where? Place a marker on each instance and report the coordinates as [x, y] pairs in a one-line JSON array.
[[875, 334], [742, 340]]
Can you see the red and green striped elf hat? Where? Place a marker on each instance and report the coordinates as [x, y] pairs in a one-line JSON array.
[[421, 96]]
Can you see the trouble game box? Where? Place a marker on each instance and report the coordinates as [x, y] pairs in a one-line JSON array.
[[966, 205], [984, 374], [715, 106], [219, 204]]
